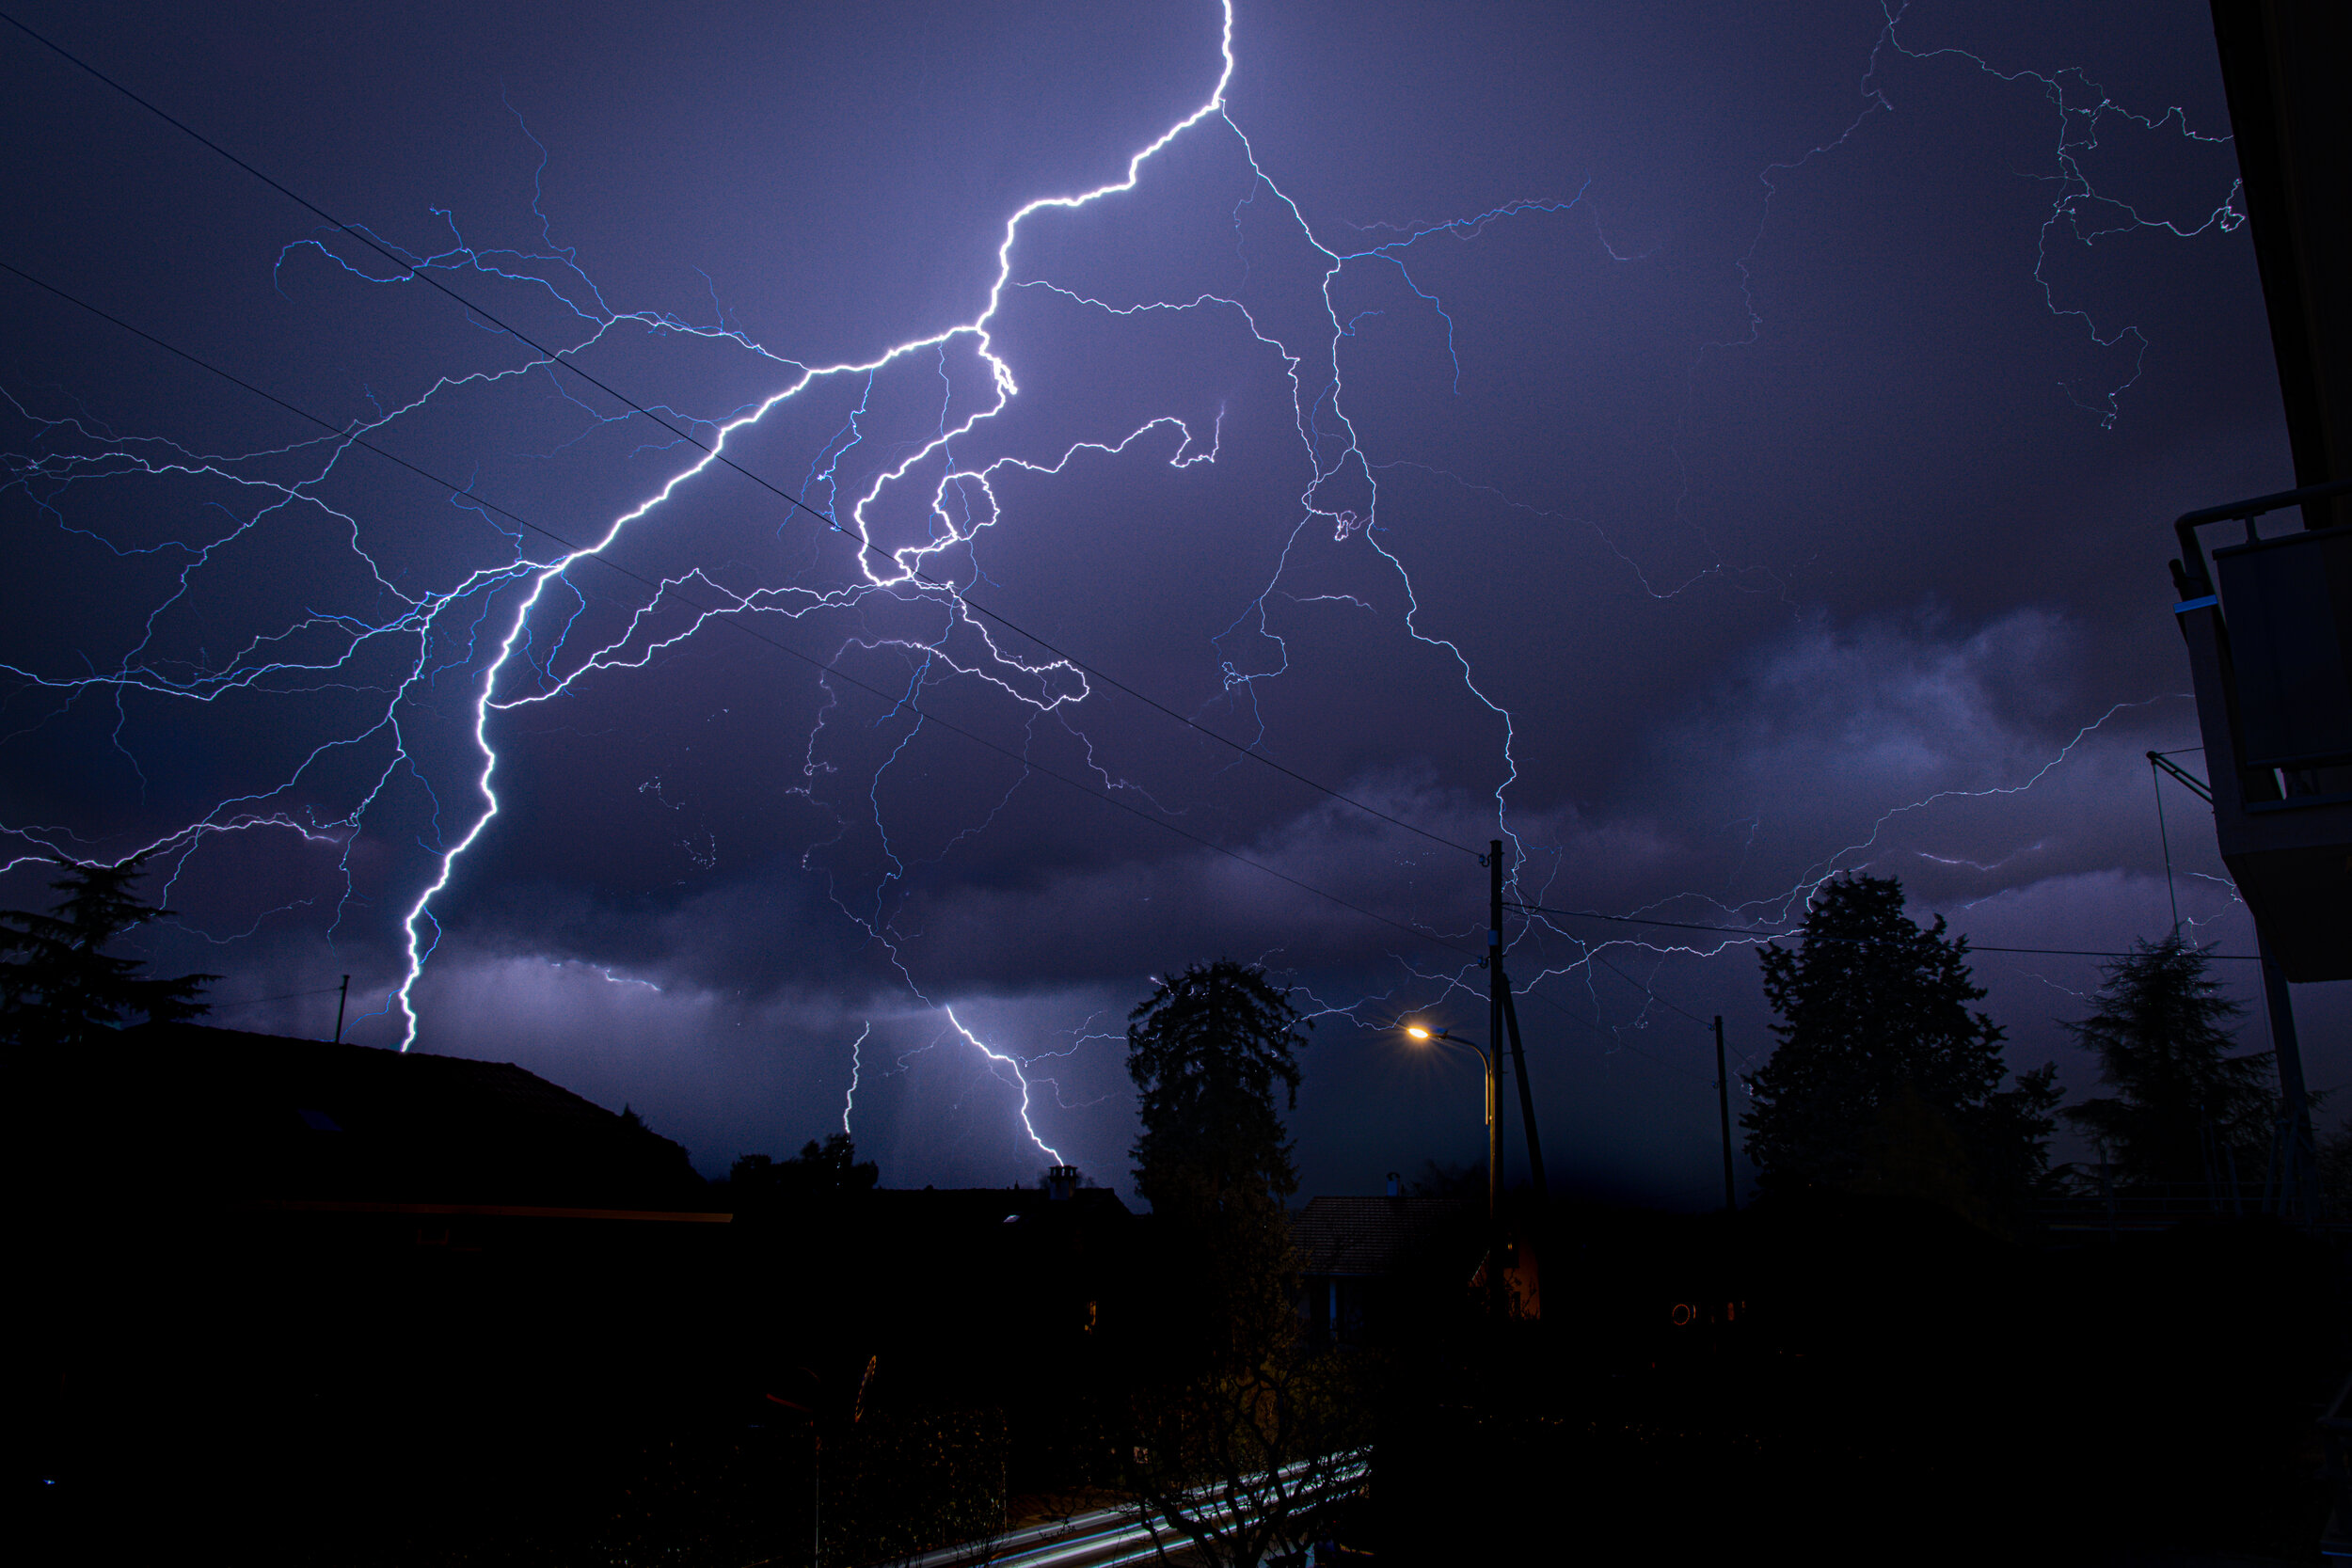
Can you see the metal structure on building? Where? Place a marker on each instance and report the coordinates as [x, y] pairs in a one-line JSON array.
[[2267, 618]]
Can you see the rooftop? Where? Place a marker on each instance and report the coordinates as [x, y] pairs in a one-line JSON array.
[[1371, 1236], [270, 1116]]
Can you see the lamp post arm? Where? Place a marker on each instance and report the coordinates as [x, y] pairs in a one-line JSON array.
[[1490, 1061]]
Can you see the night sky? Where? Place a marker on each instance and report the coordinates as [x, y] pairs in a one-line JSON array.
[[1712, 445]]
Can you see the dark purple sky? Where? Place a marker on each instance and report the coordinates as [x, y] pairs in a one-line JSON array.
[[1712, 445]]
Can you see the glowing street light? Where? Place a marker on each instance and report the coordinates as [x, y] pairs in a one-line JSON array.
[[1423, 1034]]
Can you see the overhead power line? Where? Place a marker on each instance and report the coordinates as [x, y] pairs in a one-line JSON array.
[[895, 698], [1642, 986], [415, 270], [1751, 931], [749, 630], [257, 1001]]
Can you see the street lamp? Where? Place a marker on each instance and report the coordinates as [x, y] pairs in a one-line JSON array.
[[1490, 1060]]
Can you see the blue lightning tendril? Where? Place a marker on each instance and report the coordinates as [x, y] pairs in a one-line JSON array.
[[530, 612]]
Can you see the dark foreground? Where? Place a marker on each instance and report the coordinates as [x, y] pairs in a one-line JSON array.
[[1842, 1382], [1862, 1385]]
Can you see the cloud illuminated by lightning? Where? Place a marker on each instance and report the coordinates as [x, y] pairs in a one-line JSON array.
[[501, 604]]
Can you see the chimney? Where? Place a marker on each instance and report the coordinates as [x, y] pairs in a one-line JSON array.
[[1395, 1188], [1061, 1182]]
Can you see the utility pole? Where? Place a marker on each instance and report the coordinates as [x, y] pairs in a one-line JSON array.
[[2295, 1160], [1499, 986], [342, 997], [2298, 1160], [1723, 1103], [1496, 988], [1527, 1099]]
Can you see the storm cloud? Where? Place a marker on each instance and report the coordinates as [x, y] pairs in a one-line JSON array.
[[1709, 448]]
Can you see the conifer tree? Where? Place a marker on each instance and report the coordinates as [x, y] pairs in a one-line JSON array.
[[1206, 1051], [1884, 1078], [1232, 1421], [59, 987], [2184, 1108]]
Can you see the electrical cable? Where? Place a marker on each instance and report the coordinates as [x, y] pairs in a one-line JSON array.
[[1611, 1036], [257, 1001], [1749, 931], [342, 434], [728, 618], [416, 270], [1644, 988]]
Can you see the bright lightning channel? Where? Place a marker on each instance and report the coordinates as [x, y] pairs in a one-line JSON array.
[[1003, 1060], [848, 1100], [1324, 428], [419, 919]]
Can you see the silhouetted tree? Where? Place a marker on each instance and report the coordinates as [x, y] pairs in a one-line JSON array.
[[820, 1173], [1234, 1423], [1884, 1080], [59, 987], [1205, 1050], [2183, 1107]]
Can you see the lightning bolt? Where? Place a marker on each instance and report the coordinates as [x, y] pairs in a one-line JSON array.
[[998, 1059], [2077, 205], [528, 612], [848, 1100]]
